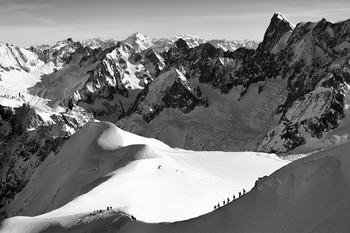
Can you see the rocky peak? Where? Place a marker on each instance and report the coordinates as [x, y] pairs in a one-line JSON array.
[[278, 28]]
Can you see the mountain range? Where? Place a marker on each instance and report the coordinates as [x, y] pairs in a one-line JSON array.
[[141, 42], [287, 95]]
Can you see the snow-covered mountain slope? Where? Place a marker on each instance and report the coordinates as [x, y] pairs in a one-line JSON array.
[[96, 79], [102, 165], [19, 70], [307, 195], [16, 58]]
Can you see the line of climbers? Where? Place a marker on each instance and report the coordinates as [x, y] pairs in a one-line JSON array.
[[110, 208], [224, 202], [100, 211]]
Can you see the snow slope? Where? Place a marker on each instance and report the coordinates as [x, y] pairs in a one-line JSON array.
[[308, 195], [102, 165], [19, 70]]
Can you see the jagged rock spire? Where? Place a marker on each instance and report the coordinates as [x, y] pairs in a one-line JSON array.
[[279, 25]]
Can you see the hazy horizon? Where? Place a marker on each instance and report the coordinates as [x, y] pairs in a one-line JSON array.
[[29, 22]]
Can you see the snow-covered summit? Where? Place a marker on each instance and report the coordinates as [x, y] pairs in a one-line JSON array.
[[283, 18], [139, 42]]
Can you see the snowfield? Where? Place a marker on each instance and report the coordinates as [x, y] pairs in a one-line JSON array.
[[102, 165]]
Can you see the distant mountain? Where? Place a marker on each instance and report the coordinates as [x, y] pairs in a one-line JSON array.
[[194, 41], [141, 42]]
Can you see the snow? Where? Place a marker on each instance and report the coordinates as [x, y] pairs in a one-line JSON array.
[[281, 17], [102, 165], [14, 89], [22, 72]]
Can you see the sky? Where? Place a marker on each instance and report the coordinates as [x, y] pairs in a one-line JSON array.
[[29, 22]]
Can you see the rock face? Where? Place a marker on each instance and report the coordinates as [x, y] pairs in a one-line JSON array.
[[317, 71], [169, 90]]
